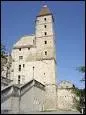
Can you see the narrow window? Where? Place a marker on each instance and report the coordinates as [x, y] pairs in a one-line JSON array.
[[45, 19], [19, 49], [45, 26], [20, 57], [19, 67], [28, 48], [18, 79], [23, 65], [45, 42], [45, 52], [33, 67], [45, 33], [33, 41]]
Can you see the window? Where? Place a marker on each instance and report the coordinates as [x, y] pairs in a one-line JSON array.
[[45, 42], [20, 57], [23, 65], [33, 41], [45, 26], [28, 48], [45, 52], [45, 19], [33, 67], [19, 67], [45, 33], [18, 79], [19, 49]]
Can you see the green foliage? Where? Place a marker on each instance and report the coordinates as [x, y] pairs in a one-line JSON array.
[[82, 69], [78, 103], [76, 91]]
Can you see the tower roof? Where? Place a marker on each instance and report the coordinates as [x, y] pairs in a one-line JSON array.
[[44, 11]]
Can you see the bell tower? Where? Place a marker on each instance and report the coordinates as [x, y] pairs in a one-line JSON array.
[[45, 44], [45, 37]]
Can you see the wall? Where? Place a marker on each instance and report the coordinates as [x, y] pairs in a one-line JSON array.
[[65, 99], [50, 102], [31, 99]]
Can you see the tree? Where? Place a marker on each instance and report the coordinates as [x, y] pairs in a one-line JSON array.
[[82, 93], [3, 57], [79, 98], [82, 70]]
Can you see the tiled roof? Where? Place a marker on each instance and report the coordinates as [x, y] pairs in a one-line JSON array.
[[44, 11]]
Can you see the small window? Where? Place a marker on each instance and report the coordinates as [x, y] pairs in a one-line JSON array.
[[23, 65], [20, 57], [45, 42], [18, 79], [19, 49], [18, 76], [28, 48], [19, 67], [45, 19], [45, 52], [45, 26], [45, 33], [33, 41]]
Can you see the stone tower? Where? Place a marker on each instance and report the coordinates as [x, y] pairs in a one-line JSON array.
[[45, 45], [34, 57], [44, 34]]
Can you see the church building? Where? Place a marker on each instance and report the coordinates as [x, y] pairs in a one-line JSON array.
[[34, 56], [33, 71]]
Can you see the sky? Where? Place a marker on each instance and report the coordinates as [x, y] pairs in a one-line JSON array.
[[18, 19]]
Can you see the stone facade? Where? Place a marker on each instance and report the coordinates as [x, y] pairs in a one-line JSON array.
[[23, 99], [66, 96], [34, 58]]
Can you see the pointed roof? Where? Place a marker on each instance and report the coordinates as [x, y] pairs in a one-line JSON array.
[[44, 11]]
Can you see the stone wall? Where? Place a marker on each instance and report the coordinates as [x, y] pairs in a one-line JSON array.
[[29, 97], [65, 99], [50, 102]]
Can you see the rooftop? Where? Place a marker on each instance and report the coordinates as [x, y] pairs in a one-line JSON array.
[[44, 11]]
